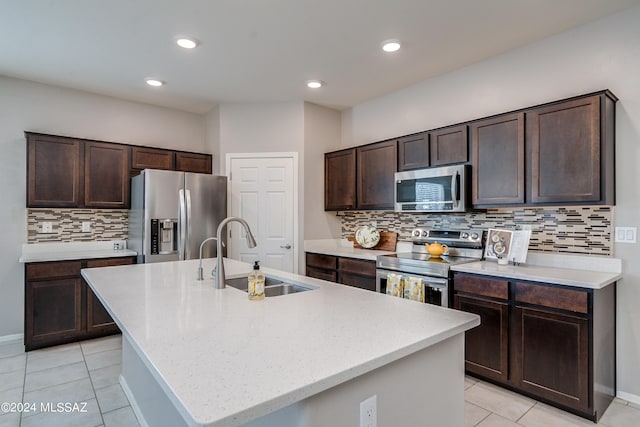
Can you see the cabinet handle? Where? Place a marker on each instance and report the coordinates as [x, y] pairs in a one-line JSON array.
[[287, 246]]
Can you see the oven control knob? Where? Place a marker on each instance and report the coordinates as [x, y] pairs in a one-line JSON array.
[[425, 234], [474, 236], [464, 235], [416, 233]]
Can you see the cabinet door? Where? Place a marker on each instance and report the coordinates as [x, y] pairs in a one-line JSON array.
[[487, 345], [376, 166], [449, 145], [565, 152], [53, 312], [340, 180], [552, 356], [357, 280], [106, 175], [413, 152], [55, 171], [320, 273], [193, 162], [99, 322], [151, 158], [498, 160]]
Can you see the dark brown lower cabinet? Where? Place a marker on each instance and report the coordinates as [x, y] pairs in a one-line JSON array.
[[59, 305], [486, 346], [347, 271], [552, 351], [553, 343]]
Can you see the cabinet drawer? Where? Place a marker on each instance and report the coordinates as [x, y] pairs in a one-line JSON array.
[[319, 273], [488, 287], [366, 268], [109, 262], [547, 296], [50, 270], [322, 261], [358, 281]]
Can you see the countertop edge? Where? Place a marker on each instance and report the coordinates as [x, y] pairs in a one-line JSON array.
[[25, 259], [543, 274]]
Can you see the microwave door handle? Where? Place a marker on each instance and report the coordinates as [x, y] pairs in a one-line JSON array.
[[454, 189]]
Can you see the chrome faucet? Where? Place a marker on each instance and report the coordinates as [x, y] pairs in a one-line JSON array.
[[200, 275], [251, 242]]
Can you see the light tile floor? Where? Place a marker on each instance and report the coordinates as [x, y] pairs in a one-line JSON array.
[[81, 377], [487, 405], [88, 372]]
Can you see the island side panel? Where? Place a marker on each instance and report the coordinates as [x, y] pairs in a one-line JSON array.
[[424, 388]]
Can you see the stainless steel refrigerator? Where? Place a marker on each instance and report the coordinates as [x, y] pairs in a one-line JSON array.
[[173, 212]]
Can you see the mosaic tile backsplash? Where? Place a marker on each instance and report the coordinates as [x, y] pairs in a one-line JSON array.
[[106, 224], [576, 230]]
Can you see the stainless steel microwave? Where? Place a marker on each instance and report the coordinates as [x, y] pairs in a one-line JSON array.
[[442, 189]]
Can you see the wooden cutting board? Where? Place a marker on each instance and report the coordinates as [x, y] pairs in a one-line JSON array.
[[388, 241]]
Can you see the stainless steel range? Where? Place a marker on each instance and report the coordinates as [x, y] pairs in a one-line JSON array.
[[464, 246]]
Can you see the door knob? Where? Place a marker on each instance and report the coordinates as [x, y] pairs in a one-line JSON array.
[[287, 246]]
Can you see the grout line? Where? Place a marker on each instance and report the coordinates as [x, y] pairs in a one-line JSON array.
[[526, 412], [92, 386]]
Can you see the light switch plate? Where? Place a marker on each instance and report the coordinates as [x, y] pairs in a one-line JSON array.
[[626, 234], [47, 227], [86, 226]]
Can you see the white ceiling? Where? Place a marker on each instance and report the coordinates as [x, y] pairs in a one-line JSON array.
[[265, 50]]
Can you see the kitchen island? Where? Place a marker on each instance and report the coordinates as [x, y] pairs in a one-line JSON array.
[[195, 355]]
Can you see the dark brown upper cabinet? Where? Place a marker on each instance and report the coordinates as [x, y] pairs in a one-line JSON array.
[[193, 162], [571, 150], [413, 152], [449, 145], [106, 172], [55, 171], [340, 180], [497, 147], [376, 166], [152, 158]]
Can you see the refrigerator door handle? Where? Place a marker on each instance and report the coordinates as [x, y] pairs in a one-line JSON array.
[[188, 229], [182, 225]]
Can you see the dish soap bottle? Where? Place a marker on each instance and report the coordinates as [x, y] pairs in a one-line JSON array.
[[256, 283]]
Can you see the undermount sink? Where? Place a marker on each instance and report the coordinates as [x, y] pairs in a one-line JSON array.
[[272, 287]]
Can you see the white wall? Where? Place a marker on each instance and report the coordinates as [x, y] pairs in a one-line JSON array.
[[261, 128], [299, 127], [212, 135], [600, 55], [321, 134], [40, 108]]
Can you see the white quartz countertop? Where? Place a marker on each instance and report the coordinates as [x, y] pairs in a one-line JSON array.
[[582, 278], [226, 360], [41, 252], [344, 248]]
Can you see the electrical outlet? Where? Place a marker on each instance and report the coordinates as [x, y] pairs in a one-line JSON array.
[[86, 226], [47, 227], [625, 234], [369, 412]]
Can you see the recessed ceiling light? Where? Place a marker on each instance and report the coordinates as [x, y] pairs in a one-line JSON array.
[[390, 45], [315, 84], [154, 82], [187, 42]]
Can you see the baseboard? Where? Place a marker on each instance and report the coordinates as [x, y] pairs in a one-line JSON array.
[[132, 401], [633, 398], [14, 337]]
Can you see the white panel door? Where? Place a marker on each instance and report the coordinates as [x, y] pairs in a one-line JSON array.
[[262, 193]]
